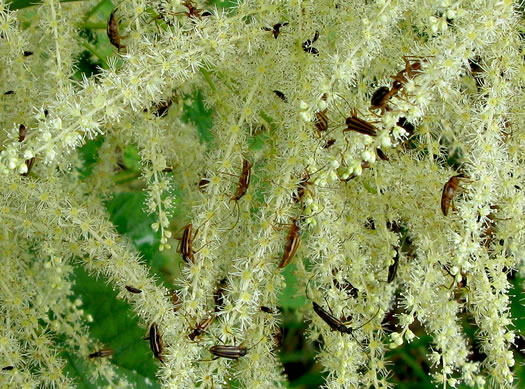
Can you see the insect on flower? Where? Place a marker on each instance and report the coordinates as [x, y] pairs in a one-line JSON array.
[[132, 289], [8, 368], [242, 186], [185, 245], [292, 243], [276, 29], [354, 123], [218, 297], [21, 133], [280, 95], [392, 269], [244, 180], [112, 31], [449, 190], [266, 309], [229, 352], [307, 45], [334, 323], [382, 96], [193, 11], [321, 120], [101, 353], [201, 327], [175, 299], [412, 68], [155, 342], [30, 162], [344, 286]]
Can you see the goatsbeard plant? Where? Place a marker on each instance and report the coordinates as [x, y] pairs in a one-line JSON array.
[[345, 183]]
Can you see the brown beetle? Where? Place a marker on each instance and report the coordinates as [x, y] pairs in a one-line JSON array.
[[203, 183], [201, 327], [382, 96], [155, 342], [185, 244], [112, 31], [218, 297], [449, 190], [412, 69], [242, 186], [101, 353], [177, 301], [132, 289], [244, 180], [321, 120], [21, 133], [354, 123], [186, 240], [229, 352], [280, 95], [292, 243]]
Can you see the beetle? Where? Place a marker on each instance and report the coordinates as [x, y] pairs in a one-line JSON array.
[[203, 183], [276, 29], [302, 186], [345, 286], [201, 327], [266, 309], [132, 289], [280, 95], [155, 342], [193, 11], [392, 269], [21, 133], [244, 180], [336, 324], [321, 120], [218, 297], [329, 143], [161, 109], [101, 353], [229, 352], [292, 243], [412, 69], [177, 301], [382, 96], [185, 244], [242, 186], [354, 123], [307, 45], [449, 190], [8, 368], [112, 31]]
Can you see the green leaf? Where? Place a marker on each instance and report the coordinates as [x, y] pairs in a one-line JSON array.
[[127, 215], [131, 158], [198, 115], [288, 298], [89, 153], [20, 4], [116, 328]]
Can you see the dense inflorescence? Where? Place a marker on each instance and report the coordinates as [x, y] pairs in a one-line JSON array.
[[362, 112]]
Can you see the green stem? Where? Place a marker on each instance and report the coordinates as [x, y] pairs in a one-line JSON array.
[[94, 26]]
